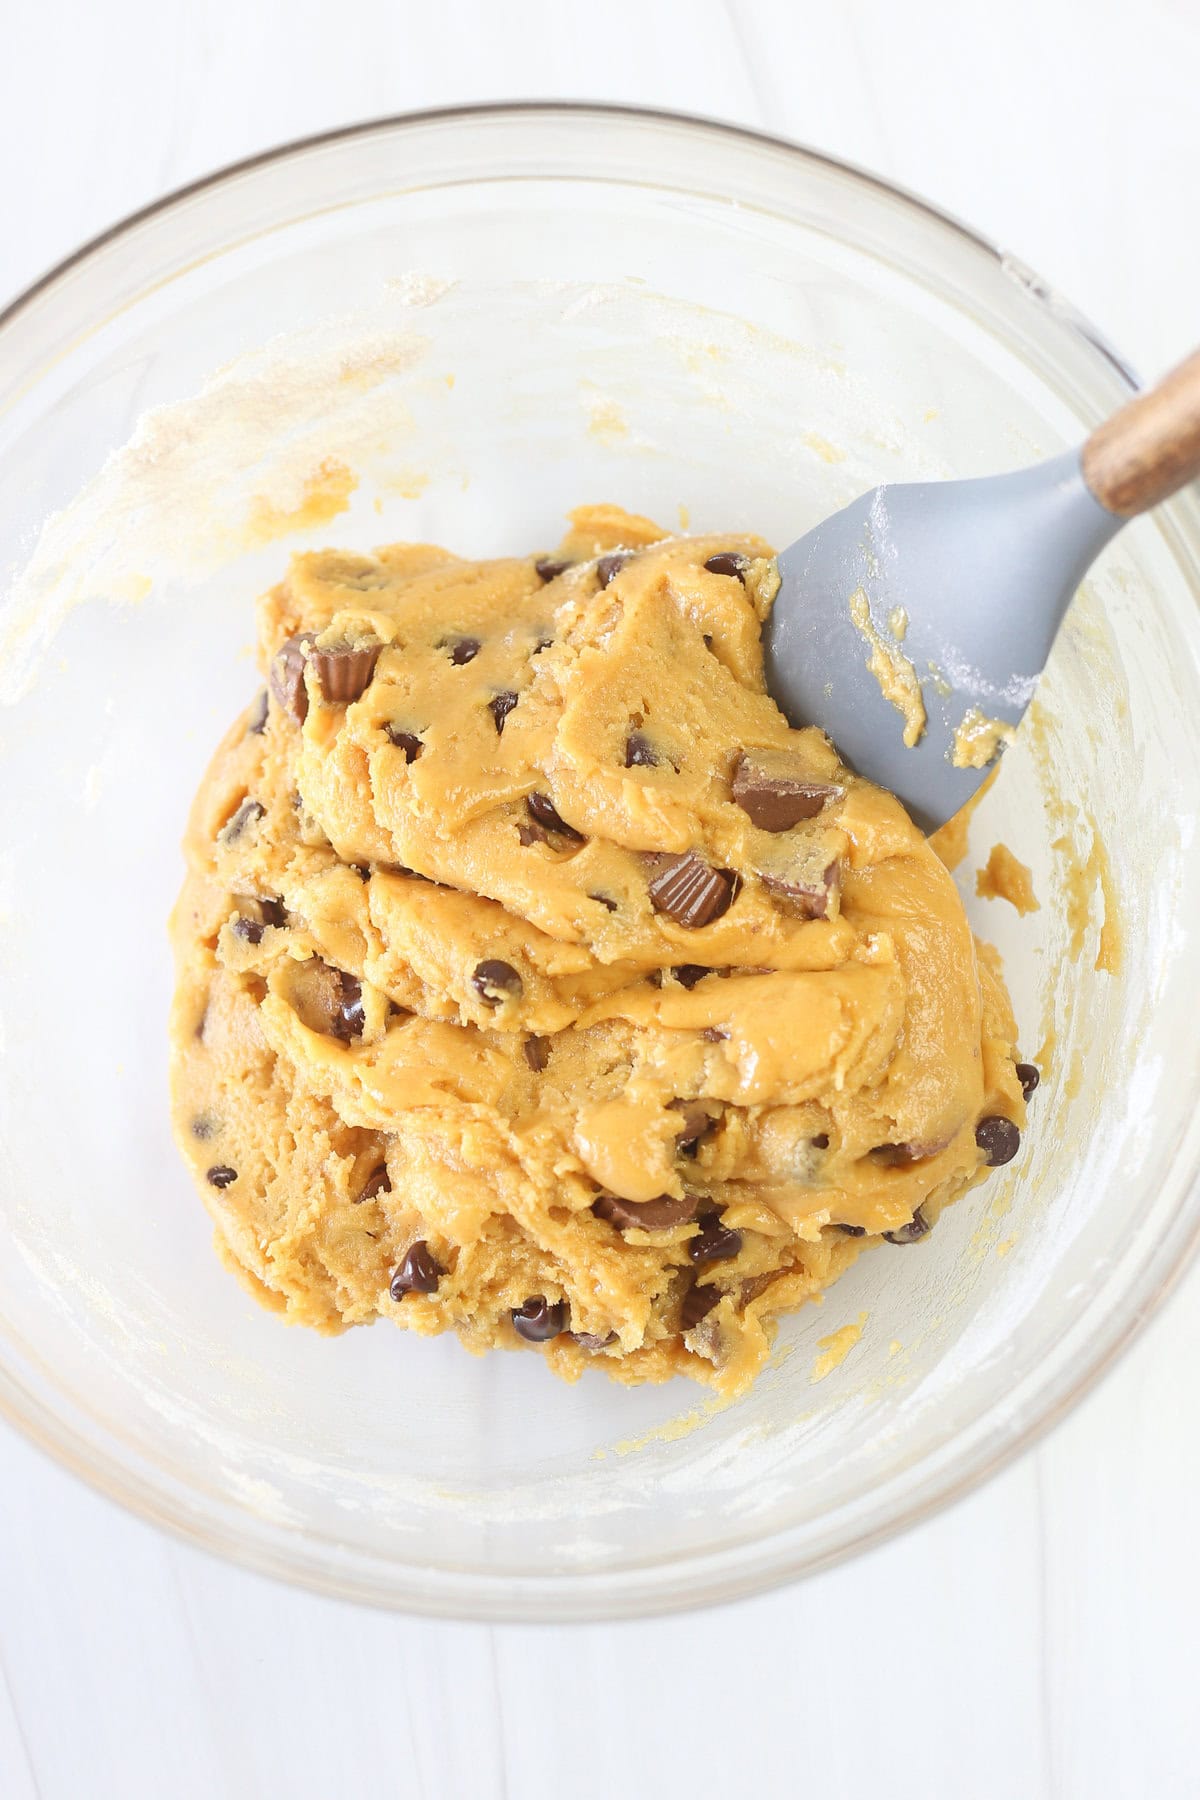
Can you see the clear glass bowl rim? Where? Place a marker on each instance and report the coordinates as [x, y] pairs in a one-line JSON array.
[[716, 1577]]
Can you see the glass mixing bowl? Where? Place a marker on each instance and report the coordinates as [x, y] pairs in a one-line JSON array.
[[453, 327]]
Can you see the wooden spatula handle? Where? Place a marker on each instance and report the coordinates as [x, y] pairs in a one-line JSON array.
[[1150, 448]]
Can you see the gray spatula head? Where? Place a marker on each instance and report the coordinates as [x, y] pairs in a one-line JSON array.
[[947, 594]]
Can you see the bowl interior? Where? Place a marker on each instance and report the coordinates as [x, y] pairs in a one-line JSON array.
[[374, 342]]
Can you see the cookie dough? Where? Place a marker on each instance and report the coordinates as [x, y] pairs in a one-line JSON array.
[[536, 981]]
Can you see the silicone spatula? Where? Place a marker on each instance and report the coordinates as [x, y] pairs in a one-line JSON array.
[[912, 626]]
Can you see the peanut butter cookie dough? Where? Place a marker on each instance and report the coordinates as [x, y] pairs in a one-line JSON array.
[[537, 981]]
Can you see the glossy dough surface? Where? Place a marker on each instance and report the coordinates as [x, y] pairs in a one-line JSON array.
[[543, 915]]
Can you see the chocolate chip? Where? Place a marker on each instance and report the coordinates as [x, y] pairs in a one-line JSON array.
[[594, 1340], [496, 981], [697, 1117], [821, 1141], [851, 1230], [538, 1320], [537, 1053], [896, 1156], [691, 893], [805, 898], [611, 565], [379, 1182], [287, 675], [729, 562], [408, 741], [348, 1020], [1029, 1076], [998, 1138], [464, 650], [272, 911], [775, 791], [204, 1126], [249, 930], [639, 752], [604, 900], [531, 834], [500, 706], [256, 724], [918, 1226], [712, 1035], [221, 1176], [549, 568], [419, 1273], [248, 813], [543, 643], [698, 1302], [344, 671], [543, 810], [714, 1242], [646, 1215], [708, 640], [688, 974]]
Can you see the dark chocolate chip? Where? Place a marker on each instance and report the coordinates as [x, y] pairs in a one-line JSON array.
[[496, 981], [821, 1141], [692, 893], [1029, 1076], [998, 1138], [688, 974], [708, 640], [851, 1230], [918, 1226], [273, 911], [248, 813], [256, 724], [543, 643], [897, 1156], [539, 1320], [698, 1302], [500, 705], [611, 565], [806, 899], [594, 1340], [775, 791], [408, 741], [531, 834], [287, 675], [543, 810], [646, 1215], [549, 568], [697, 1117], [729, 562], [204, 1126], [714, 1242], [604, 900], [639, 752], [221, 1176], [419, 1273], [344, 671], [712, 1035], [464, 650], [379, 1182], [537, 1053], [348, 1020], [249, 930]]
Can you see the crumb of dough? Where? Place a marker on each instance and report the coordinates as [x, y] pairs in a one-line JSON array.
[[898, 623], [893, 670], [978, 740], [836, 1348], [536, 981], [1005, 877]]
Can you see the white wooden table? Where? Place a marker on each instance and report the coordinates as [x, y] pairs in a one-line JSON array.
[[1039, 1640]]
